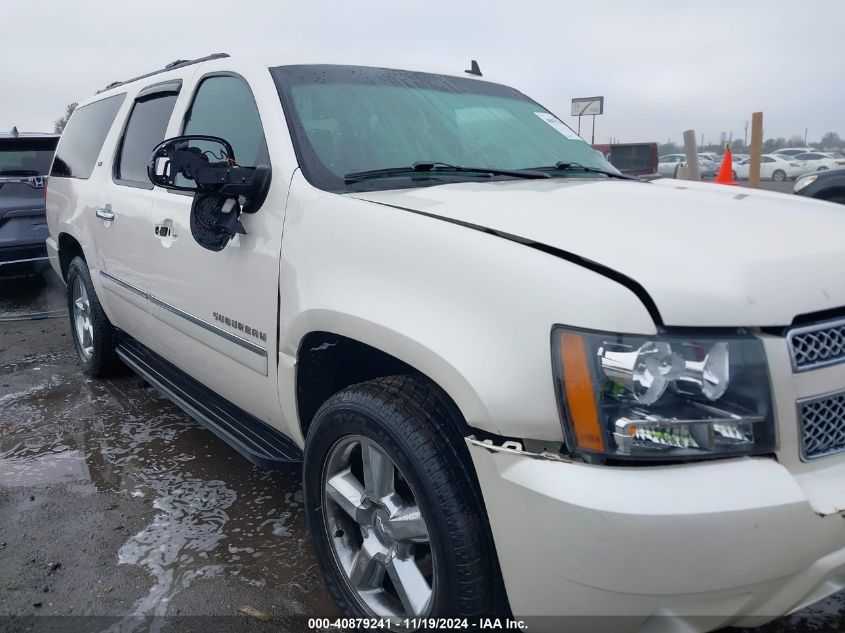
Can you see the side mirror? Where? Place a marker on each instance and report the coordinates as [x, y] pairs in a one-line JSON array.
[[206, 166]]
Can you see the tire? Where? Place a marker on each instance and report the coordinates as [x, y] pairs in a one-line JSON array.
[[779, 175], [735, 176], [93, 334], [822, 168], [407, 421]]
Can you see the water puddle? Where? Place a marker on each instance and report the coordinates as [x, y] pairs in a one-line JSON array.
[[215, 514]]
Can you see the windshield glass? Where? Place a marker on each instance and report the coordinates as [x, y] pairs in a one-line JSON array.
[[26, 156], [348, 119]]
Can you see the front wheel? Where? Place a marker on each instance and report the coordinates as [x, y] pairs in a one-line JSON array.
[[396, 517], [779, 175], [92, 332]]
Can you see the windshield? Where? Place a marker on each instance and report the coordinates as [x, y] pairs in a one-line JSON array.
[[349, 119], [26, 156]]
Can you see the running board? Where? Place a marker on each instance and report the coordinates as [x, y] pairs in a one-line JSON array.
[[257, 441]]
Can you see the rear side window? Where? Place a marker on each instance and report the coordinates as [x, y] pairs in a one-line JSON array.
[[145, 129], [83, 138]]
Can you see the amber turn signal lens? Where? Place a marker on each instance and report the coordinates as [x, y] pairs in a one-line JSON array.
[[580, 398]]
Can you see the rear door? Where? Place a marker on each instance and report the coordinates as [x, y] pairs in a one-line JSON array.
[[122, 230], [217, 311]]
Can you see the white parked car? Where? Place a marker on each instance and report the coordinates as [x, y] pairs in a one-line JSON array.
[[668, 164], [514, 378], [818, 161], [738, 158], [793, 151], [772, 167]]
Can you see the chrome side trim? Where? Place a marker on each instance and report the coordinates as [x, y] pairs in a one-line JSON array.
[[124, 284], [257, 349], [25, 261], [237, 340]]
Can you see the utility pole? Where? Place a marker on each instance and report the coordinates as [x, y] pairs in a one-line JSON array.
[[805, 137], [693, 172], [745, 138], [756, 150]]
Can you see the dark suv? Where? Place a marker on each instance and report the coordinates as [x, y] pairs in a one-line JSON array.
[[24, 164]]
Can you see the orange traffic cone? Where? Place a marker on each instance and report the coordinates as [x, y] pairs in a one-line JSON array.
[[726, 171]]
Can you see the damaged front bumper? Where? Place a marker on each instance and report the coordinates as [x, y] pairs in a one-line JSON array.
[[699, 545]]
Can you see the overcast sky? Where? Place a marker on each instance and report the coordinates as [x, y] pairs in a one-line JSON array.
[[663, 65]]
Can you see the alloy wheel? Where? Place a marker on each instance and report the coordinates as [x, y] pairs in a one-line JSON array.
[[379, 536], [82, 326]]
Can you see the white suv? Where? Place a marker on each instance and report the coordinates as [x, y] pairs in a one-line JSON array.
[[517, 380]]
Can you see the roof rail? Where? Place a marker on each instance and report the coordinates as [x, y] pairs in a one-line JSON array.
[[179, 63]]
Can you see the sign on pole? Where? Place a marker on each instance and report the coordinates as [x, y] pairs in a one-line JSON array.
[[588, 106]]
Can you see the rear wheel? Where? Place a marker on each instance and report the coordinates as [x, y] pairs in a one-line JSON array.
[[779, 175], [92, 332], [396, 517], [735, 176], [822, 168]]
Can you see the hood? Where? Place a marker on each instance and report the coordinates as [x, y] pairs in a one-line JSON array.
[[706, 254]]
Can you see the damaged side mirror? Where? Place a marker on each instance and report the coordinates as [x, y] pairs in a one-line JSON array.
[[206, 166]]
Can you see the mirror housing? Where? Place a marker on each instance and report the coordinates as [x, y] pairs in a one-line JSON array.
[[207, 164]]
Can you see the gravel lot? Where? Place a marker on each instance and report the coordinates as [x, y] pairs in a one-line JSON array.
[[118, 509]]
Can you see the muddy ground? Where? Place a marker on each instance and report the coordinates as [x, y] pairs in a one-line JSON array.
[[120, 514]]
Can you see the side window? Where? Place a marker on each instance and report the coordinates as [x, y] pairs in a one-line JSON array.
[[767, 159], [144, 130], [224, 106], [83, 138]]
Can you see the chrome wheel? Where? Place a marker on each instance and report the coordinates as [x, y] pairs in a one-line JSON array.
[[378, 534], [83, 328]]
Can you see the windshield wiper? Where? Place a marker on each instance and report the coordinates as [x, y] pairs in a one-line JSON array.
[[569, 166], [428, 167]]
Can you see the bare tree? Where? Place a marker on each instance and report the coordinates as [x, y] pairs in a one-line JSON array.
[[60, 124]]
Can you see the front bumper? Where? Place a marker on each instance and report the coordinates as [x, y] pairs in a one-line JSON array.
[[708, 544]]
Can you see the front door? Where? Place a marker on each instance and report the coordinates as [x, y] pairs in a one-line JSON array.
[[217, 311]]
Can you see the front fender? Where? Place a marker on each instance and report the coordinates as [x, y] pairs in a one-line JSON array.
[[471, 310]]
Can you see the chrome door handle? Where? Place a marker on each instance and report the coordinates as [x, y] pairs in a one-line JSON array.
[[105, 213]]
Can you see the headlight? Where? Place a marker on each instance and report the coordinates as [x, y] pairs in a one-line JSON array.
[[663, 397], [803, 182]]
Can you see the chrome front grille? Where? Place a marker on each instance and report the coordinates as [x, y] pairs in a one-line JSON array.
[[817, 345], [822, 425]]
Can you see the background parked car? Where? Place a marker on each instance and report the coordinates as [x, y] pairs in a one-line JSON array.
[[24, 164], [738, 158], [772, 167], [709, 166], [818, 161], [827, 185], [793, 151], [668, 164]]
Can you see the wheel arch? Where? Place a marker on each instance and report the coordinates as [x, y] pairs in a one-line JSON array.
[[69, 247], [328, 361]]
